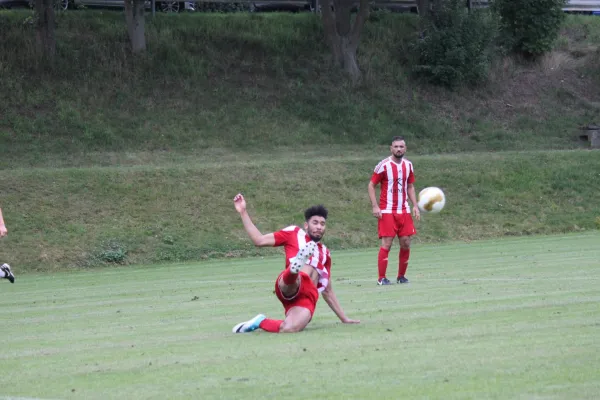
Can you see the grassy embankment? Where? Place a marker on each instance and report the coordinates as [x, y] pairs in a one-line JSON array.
[[107, 157]]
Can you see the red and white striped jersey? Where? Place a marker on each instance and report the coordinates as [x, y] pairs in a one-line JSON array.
[[394, 179], [292, 239]]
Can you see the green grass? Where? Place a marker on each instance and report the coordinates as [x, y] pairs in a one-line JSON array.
[[263, 81], [109, 158], [182, 210], [506, 319]]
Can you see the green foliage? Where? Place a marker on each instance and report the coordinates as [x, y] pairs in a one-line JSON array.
[[112, 252], [457, 46], [215, 80], [530, 27]]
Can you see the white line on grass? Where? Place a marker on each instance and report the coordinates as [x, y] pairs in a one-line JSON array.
[[21, 398], [521, 279]]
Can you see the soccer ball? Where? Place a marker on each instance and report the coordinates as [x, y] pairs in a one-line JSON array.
[[431, 199]]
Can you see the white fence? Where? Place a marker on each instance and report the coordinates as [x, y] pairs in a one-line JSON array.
[[571, 6]]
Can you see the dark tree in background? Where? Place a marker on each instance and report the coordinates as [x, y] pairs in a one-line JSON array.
[[45, 28], [342, 32], [136, 25]]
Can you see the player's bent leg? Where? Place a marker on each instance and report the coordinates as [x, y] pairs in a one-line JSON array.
[[289, 281], [302, 257], [296, 320], [289, 290]]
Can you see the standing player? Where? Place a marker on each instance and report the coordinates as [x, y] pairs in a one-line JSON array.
[[395, 174], [5, 271], [306, 274]]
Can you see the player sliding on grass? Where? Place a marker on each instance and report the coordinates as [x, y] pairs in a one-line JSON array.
[[306, 274]]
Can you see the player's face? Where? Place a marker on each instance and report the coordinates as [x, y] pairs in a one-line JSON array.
[[315, 227], [398, 148]]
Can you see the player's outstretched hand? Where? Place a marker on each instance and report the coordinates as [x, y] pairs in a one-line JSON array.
[[351, 321], [240, 203]]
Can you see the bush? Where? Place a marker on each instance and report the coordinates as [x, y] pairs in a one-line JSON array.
[[113, 252], [457, 46], [530, 27]]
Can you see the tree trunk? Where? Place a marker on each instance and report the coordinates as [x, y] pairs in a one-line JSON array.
[[342, 35], [344, 51], [45, 27], [136, 25], [423, 6]]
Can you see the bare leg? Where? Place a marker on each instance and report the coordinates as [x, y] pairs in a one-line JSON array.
[[296, 320], [386, 242], [289, 290]]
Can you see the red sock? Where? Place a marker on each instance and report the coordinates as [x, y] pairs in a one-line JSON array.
[[288, 277], [404, 256], [271, 325], [382, 261]]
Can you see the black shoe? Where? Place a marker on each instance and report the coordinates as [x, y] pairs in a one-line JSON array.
[[9, 275], [401, 279], [384, 281]]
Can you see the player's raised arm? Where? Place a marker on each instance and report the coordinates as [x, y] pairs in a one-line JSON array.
[[334, 304], [258, 238]]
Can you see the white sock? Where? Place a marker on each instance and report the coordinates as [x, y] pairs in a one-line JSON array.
[[2, 274]]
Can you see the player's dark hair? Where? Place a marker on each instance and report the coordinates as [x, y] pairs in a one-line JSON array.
[[397, 138], [319, 210]]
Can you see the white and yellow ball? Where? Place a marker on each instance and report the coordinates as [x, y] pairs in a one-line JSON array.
[[431, 199]]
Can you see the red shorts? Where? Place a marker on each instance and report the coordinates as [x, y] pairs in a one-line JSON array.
[[391, 225], [306, 297]]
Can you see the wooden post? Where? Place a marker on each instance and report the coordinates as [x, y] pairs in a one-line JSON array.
[[592, 135]]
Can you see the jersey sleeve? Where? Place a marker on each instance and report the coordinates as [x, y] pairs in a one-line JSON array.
[[378, 173], [376, 178], [328, 264], [282, 236]]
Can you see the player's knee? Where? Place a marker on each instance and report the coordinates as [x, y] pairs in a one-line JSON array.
[[405, 243], [387, 244], [289, 291], [288, 327]]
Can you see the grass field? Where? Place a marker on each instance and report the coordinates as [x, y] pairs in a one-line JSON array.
[[509, 319], [150, 213], [111, 159]]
